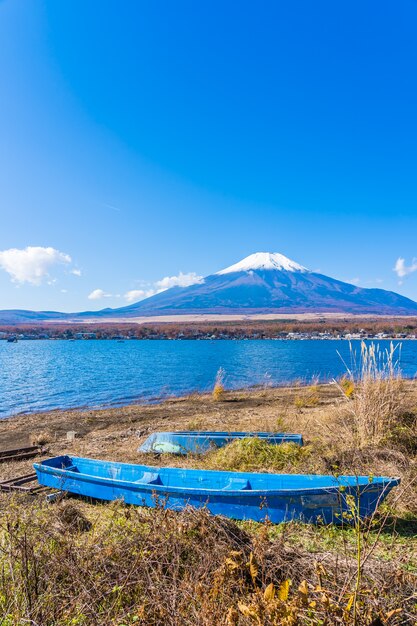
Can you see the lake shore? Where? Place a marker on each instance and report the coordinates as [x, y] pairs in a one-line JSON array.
[[41, 376], [76, 543], [119, 430], [206, 327], [317, 412]]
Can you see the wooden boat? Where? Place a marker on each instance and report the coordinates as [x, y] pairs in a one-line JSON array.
[[239, 495], [199, 442]]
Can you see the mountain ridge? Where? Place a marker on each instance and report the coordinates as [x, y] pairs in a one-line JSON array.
[[262, 283]]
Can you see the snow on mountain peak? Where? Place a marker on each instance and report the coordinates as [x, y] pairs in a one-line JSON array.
[[264, 261]]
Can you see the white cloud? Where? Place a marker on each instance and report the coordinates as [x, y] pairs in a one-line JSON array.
[[111, 206], [182, 280], [134, 295], [32, 264], [150, 289], [76, 272], [98, 294], [401, 269]]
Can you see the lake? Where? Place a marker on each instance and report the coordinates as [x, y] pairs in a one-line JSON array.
[[43, 375]]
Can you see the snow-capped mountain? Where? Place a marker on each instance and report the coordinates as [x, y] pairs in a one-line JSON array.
[[267, 282], [263, 282], [264, 261]]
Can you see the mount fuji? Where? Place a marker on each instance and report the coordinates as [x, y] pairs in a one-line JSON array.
[[262, 283], [267, 282]]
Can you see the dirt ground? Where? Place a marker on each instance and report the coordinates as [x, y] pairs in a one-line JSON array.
[[317, 413], [116, 433]]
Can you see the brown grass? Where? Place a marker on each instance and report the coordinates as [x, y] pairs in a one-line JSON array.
[[74, 563], [376, 398], [218, 393], [40, 438]]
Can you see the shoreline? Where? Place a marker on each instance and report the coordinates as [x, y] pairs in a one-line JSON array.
[[160, 400], [238, 410], [286, 327], [157, 401], [18, 429], [411, 338], [162, 337]]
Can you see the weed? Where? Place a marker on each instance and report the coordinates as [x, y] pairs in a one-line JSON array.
[[254, 454], [218, 389], [308, 398], [41, 438], [195, 424], [348, 386], [374, 392]]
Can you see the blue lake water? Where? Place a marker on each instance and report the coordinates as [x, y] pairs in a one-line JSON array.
[[44, 375]]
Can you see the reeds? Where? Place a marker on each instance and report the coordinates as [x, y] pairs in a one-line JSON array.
[[218, 389], [373, 388]]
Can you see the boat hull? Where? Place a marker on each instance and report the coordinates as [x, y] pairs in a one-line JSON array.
[[200, 442], [238, 495]]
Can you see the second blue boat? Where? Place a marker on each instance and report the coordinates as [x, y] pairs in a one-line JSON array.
[[199, 442]]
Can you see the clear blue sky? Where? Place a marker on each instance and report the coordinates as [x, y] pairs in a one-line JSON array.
[[141, 139]]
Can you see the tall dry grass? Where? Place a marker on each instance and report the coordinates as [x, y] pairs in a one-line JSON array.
[[374, 392], [218, 389]]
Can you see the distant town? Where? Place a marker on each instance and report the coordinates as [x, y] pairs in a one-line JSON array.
[[378, 329]]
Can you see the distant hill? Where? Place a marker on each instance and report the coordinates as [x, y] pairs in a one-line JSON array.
[[22, 316], [263, 282]]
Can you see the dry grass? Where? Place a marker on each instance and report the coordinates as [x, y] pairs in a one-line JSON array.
[[218, 393], [376, 396], [74, 563], [40, 438], [253, 455], [308, 396]]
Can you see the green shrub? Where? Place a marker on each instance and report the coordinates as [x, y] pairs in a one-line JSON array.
[[254, 454]]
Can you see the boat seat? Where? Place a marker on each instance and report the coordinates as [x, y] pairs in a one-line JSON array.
[[235, 484], [150, 478], [72, 468]]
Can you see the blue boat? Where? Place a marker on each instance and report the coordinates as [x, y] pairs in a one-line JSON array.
[[239, 495], [200, 441]]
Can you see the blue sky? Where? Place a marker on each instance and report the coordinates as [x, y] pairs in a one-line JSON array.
[[142, 139]]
